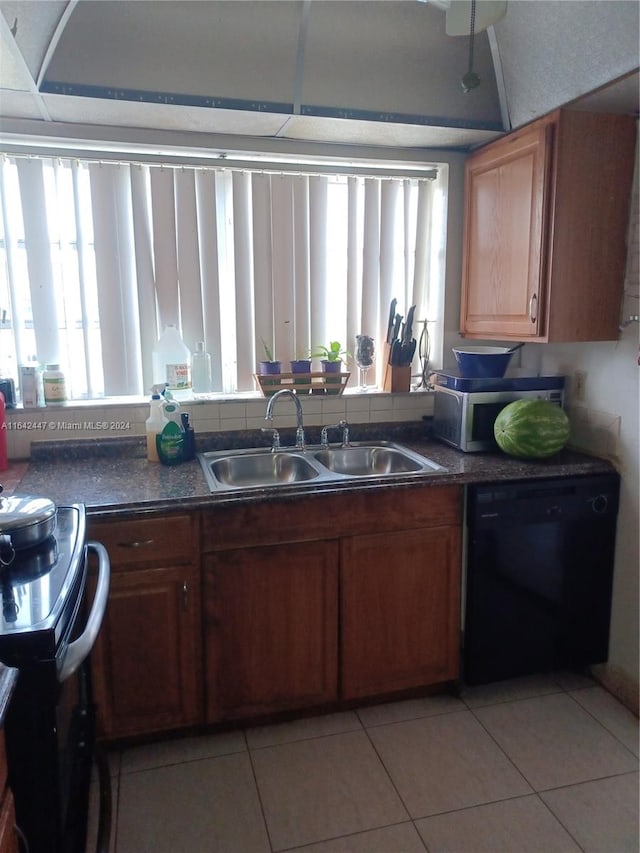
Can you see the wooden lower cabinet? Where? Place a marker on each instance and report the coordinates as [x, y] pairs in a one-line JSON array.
[[146, 673], [400, 606], [363, 599], [8, 836], [146, 664], [271, 629], [291, 605]]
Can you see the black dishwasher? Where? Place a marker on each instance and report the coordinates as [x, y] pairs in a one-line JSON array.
[[539, 575]]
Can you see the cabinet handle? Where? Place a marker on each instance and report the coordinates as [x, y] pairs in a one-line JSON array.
[[137, 544], [185, 596], [533, 307]]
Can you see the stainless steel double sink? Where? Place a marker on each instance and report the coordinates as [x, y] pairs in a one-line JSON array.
[[261, 468]]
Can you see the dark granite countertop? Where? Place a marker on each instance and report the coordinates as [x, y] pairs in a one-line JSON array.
[[113, 477]]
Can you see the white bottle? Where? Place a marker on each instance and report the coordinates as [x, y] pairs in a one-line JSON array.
[[55, 387], [154, 424], [172, 362], [201, 370]]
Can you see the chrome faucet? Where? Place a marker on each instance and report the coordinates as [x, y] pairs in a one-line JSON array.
[[269, 414], [343, 425]]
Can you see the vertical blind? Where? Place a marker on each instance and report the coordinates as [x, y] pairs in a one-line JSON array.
[[98, 257]]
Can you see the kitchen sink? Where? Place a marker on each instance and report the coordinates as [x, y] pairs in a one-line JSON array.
[[356, 461], [261, 468]]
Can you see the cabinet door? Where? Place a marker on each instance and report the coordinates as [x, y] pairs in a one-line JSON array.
[[400, 610], [146, 663], [270, 629], [8, 836], [505, 221]]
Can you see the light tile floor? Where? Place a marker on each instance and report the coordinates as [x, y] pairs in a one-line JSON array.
[[530, 765]]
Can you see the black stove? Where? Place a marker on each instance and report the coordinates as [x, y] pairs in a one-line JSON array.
[[47, 630], [40, 590]]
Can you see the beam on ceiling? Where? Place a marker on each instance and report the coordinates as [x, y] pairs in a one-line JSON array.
[[299, 72], [55, 38]]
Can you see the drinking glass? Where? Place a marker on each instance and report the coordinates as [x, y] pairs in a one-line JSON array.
[[364, 357]]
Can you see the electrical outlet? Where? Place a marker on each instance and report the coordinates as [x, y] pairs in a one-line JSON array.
[[579, 381]]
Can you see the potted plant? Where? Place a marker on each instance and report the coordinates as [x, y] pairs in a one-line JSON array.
[[269, 366], [331, 360], [301, 365]]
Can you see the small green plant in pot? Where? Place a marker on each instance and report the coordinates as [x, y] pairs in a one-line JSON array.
[[331, 359], [269, 366]]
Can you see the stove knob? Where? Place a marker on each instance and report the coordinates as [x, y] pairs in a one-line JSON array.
[[599, 504]]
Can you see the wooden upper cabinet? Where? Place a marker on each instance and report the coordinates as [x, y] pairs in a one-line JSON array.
[[546, 216], [504, 215]]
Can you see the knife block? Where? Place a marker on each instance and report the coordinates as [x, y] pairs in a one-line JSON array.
[[396, 378]]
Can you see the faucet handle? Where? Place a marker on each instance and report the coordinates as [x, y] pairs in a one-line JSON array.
[[275, 435], [343, 425], [345, 433]]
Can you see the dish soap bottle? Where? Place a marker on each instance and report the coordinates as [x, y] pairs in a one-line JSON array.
[[155, 423], [170, 442]]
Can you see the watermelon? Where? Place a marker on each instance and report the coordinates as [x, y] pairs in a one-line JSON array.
[[532, 429]]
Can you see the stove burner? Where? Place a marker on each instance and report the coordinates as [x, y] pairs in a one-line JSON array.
[[10, 606], [30, 563], [44, 579]]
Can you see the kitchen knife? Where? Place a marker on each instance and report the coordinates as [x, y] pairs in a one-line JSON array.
[[390, 324], [395, 353], [396, 327], [408, 326]]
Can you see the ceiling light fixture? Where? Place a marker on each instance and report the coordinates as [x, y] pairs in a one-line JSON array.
[[488, 13]]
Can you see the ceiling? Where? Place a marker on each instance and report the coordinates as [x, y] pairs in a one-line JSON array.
[[364, 72]]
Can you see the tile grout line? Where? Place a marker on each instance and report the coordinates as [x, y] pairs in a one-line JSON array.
[[557, 817], [258, 793], [587, 781], [351, 835], [306, 738], [537, 792], [604, 726], [413, 719], [506, 755], [393, 784]]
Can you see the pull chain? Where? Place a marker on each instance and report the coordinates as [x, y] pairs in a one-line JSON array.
[[471, 80]]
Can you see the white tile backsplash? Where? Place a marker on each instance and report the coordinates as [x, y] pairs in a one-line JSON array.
[[122, 419], [594, 431]]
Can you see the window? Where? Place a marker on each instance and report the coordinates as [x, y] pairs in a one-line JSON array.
[[98, 257]]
